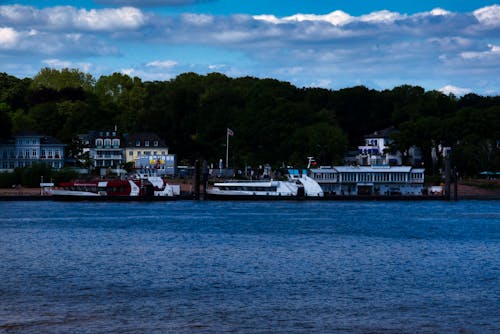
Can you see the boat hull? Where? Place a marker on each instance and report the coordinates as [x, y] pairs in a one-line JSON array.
[[233, 197], [78, 198]]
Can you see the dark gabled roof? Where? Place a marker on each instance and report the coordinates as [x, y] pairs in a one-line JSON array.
[[132, 139], [92, 135], [385, 133]]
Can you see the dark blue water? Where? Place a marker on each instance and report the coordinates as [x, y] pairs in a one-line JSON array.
[[181, 267]]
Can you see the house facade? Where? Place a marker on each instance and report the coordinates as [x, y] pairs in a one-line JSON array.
[[149, 154], [105, 150], [376, 150], [28, 148]]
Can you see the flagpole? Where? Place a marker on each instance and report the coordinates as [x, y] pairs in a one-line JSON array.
[[227, 149]]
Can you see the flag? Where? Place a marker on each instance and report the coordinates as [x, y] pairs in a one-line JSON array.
[[230, 132]]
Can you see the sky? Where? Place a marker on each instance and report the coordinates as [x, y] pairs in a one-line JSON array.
[[448, 45]]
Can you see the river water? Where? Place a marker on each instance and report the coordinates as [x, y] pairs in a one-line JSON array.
[[250, 267]]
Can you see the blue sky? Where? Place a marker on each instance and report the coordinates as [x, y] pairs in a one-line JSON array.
[[452, 46]]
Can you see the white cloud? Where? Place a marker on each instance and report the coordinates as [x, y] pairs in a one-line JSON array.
[[457, 91], [146, 74], [492, 53], [57, 63], [128, 71], [322, 83], [197, 19], [109, 19], [488, 16], [165, 64], [67, 17], [439, 12], [8, 38], [336, 18], [149, 3], [217, 67], [383, 16]]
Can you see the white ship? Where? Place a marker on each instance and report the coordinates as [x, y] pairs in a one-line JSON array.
[[297, 186]]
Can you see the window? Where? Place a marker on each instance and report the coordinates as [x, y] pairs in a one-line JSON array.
[[116, 143], [131, 154], [107, 143], [98, 142], [137, 143], [146, 143], [138, 153], [155, 143]]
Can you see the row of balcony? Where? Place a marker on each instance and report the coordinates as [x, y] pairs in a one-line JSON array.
[[109, 156]]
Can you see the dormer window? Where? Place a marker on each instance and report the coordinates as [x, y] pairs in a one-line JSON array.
[[146, 143], [137, 143], [155, 143]]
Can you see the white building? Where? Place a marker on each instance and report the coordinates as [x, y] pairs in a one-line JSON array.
[[376, 149], [105, 150], [370, 180]]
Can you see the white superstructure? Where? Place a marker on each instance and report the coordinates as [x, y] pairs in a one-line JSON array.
[[297, 185], [370, 180]]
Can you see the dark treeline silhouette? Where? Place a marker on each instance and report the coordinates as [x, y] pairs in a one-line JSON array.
[[273, 121]]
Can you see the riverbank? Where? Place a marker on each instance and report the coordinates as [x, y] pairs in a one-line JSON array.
[[470, 189]]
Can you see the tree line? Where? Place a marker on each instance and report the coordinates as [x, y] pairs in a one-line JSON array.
[[274, 121]]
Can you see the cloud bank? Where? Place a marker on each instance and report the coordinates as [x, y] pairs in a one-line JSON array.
[[150, 3], [435, 49]]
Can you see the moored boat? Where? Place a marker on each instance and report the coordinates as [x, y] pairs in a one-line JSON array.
[[136, 188], [297, 186]]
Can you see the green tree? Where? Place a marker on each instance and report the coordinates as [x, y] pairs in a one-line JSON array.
[[60, 79]]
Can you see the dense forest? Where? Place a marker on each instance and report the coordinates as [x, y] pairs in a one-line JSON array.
[[273, 121]]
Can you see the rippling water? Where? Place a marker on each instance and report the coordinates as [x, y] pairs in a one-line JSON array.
[[341, 267]]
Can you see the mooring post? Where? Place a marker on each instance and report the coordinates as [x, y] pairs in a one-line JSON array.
[[204, 172], [447, 174], [455, 184], [196, 180]]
